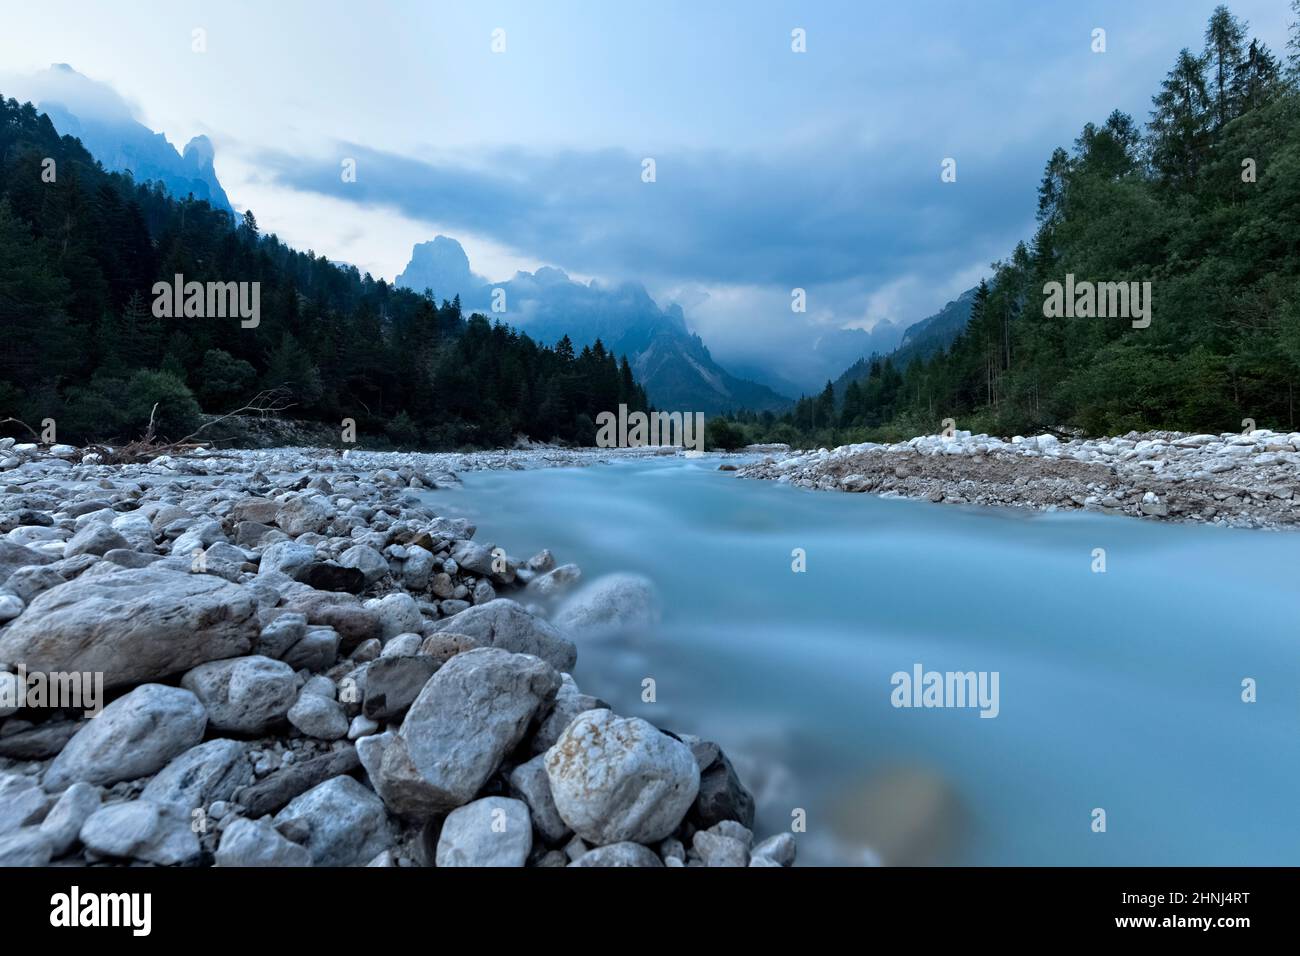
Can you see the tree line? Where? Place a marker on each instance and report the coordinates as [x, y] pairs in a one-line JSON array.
[[1203, 202], [81, 249]]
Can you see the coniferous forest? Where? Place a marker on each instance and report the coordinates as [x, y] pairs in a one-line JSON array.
[[1203, 202], [81, 249]]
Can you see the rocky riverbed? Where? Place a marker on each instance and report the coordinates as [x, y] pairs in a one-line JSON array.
[[1247, 480], [302, 665]]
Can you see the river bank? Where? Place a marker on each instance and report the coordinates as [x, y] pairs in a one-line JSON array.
[[1236, 480], [291, 659]]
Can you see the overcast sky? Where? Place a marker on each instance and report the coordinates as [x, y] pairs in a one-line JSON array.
[[774, 169]]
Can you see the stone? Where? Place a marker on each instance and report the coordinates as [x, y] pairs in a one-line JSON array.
[[15, 556], [274, 791], [303, 514], [140, 830], [369, 562], [417, 568], [616, 779], [393, 683], [11, 605], [445, 645], [483, 560], [555, 581], [403, 645], [569, 703], [243, 695], [609, 603], [398, 614], [494, 831], [353, 622], [201, 776], [287, 557], [529, 783], [328, 576], [346, 823], [280, 635], [134, 736], [722, 796], [62, 825], [471, 713], [780, 849], [39, 742], [716, 849], [95, 538], [317, 651], [362, 726], [133, 626], [505, 624], [623, 854], [22, 802], [25, 847], [258, 843], [319, 717]]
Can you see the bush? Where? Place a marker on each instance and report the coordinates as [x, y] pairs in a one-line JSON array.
[[721, 434], [178, 413], [224, 382]]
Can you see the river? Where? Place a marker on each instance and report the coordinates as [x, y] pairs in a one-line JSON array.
[[1118, 691]]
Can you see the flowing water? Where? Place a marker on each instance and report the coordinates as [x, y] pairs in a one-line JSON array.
[[1119, 691]]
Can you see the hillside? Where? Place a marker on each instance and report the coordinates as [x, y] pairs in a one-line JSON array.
[[81, 249]]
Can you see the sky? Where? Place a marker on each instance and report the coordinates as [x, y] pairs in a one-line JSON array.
[[774, 170]]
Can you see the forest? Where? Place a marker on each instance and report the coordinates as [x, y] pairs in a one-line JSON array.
[[81, 249], [1203, 202]]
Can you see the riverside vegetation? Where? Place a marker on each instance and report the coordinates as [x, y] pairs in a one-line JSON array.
[[1204, 203]]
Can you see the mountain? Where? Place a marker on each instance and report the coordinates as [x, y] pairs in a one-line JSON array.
[[97, 115], [441, 266], [673, 364], [920, 340], [938, 331]]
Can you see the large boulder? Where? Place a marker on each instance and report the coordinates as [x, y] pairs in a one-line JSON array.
[[494, 831], [618, 779], [133, 626], [609, 603], [346, 823], [505, 624], [471, 713], [245, 695], [133, 737]]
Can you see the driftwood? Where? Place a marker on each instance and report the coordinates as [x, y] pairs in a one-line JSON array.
[[147, 447]]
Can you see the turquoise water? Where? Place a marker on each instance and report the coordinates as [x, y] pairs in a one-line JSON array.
[[1119, 690]]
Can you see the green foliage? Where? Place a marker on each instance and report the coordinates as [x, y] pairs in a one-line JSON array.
[[78, 261], [1174, 206], [721, 434]]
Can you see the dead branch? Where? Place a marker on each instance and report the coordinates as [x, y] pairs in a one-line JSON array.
[[269, 401]]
